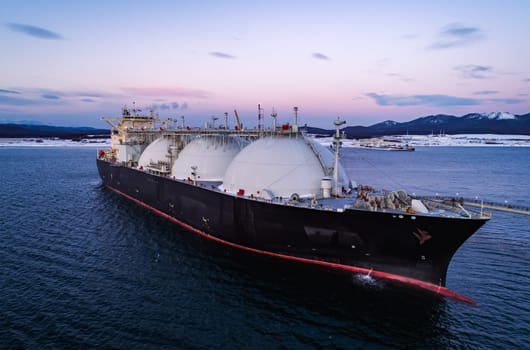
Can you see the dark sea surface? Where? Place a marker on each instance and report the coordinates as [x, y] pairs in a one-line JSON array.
[[82, 268]]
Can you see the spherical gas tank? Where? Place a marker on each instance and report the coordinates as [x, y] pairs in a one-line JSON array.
[[208, 155], [277, 165], [156, 151]]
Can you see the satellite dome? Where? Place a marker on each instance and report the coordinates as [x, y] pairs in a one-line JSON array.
[[281, 166], [209, 155]]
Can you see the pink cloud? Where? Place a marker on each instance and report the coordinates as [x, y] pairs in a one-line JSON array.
[[166, 91]]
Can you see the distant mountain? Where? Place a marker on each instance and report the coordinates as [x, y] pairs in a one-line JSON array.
[[474, 123], [34, 130]]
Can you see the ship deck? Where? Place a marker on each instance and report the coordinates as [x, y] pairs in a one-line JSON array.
[[352, 201]]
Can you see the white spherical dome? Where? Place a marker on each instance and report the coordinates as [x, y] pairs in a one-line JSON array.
[[211, 155], [280, 166], [156, 151]]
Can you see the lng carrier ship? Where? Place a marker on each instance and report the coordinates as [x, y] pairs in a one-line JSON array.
[[277, 193]]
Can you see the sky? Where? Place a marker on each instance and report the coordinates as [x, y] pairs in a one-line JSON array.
[[71, 62]]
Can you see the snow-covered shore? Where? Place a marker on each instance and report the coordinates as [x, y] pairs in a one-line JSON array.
[[54, 142], [471, 140]]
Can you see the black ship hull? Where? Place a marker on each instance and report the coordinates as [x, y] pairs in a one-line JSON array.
[[404, 248]]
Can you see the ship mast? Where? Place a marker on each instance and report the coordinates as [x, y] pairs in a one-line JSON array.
[[338, 123], [274, 115], [260, 118], [295, 124]]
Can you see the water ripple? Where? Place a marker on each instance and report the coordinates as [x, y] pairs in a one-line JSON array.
[[81, 267]]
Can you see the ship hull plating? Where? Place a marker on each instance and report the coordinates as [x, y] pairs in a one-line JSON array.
[[406, 248]]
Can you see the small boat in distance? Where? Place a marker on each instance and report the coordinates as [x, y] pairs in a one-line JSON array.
[[385, 144]]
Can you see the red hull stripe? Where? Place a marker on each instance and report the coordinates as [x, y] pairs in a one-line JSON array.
[[346, 268]]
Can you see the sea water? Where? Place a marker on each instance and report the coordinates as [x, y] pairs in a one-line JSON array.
[[81, 267]]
